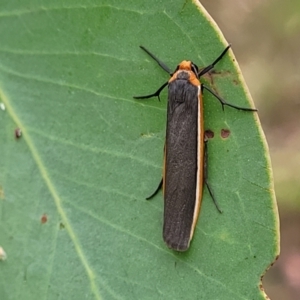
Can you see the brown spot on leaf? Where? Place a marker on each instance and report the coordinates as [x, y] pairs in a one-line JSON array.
[[18, 133], [222, 73], [225, 133], [44, 219], [209, 134]]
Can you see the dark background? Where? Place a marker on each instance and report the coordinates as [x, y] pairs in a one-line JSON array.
[[265, 37]]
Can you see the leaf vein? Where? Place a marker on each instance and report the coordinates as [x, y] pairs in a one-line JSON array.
[[57, 200]]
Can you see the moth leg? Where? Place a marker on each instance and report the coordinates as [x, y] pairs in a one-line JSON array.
[[211, 66], [156, 191], [223, 102], [156, 94], [206, 176], [161, 64]]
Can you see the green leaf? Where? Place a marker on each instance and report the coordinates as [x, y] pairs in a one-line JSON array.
[[74, 222]]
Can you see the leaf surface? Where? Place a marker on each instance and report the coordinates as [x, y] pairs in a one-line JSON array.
[[73, 220]]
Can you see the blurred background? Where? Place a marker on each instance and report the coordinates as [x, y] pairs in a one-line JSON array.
[[265, 37]]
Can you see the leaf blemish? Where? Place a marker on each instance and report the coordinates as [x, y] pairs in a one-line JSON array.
[[209, 134], [44, 219], [225, 133], [18, 133], [146, 135], [1, 193], [3, 255]]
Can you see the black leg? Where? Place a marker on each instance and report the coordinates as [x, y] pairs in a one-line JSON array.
[[161, 64], [156, 191], [211, 66], [223, 102], [206, 176], [156, 94]]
